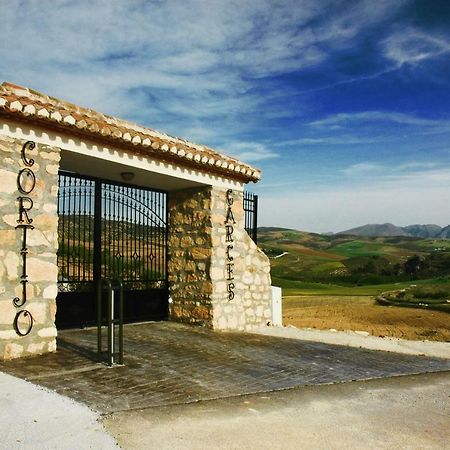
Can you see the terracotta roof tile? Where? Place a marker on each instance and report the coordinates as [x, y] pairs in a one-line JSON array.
[[26, 104]]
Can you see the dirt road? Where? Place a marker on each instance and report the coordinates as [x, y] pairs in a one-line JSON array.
[[364, 314]]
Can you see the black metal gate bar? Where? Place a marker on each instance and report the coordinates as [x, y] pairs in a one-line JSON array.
[[111, 230], [75, 208], [251, 215]]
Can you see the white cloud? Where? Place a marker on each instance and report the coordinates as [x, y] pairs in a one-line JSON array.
[[342, 139], [344, 119], [413, 192], [363, 169], [409, 174], [250, 151], [410, 46], [197, 58], [196, 68]]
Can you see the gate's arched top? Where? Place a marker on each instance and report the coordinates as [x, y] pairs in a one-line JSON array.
[[21, 103]]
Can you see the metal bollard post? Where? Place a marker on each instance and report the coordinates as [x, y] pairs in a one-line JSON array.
[[99, 320], [110, 326], [111, 287], [120, 285]]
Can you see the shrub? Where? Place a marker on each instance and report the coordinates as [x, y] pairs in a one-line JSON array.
[[431, 292]]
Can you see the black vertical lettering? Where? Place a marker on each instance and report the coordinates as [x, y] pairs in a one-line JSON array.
[[28, 145], [230, 199], [229, 257], [26, 182], [230, 291], [23, 175], [230, 217], [229, 233], [230, 269], [23, 210]]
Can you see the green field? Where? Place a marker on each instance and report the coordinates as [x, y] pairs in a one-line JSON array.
[[312, 264], [358, 248]]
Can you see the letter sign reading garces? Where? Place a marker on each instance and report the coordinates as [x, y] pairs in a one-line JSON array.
[[229, 222], [26, 182]]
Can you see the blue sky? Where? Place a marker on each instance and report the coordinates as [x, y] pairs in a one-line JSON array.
[[344, 105]]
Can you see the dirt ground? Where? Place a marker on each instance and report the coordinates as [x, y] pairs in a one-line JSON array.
[[364, 314]]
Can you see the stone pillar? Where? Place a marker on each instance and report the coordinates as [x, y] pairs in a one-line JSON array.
[[41, 247], [190, 252], [250, 305], [218, 277]]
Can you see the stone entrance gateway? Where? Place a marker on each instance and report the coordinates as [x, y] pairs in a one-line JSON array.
[[115, 231], [215, 274]]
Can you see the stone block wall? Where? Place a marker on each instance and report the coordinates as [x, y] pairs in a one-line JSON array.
[[189, 253], [41, 244], [203, 288]]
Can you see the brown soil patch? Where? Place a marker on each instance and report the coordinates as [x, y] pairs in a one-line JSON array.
[[364, 314]]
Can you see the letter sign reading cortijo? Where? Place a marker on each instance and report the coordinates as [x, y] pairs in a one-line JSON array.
[[229, 223], [26, 182]]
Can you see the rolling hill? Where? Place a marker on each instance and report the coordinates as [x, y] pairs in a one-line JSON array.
[[388, 229], [301, 258]]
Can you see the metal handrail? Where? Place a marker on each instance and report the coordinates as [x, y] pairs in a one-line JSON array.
[[110, 286]]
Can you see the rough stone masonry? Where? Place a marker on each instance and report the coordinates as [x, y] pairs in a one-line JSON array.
[[198, 256], [27, 318]]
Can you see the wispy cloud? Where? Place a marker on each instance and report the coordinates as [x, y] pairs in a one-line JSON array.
[[414, 173], [411, 46], [176, 62], [362, 169], [342, 119], [250, 151], [342, 139]]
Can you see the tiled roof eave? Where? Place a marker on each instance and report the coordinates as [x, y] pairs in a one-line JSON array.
[[60, 116], [166, 157]]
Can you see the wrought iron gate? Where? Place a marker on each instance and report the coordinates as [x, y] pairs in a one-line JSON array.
[[251, 215], [110, 230]]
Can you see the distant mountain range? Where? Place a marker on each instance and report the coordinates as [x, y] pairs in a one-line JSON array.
[[388, 229]]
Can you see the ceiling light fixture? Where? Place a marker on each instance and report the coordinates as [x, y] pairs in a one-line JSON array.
[[126, 176]]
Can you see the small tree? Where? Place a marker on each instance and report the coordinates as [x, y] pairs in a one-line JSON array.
[[412, 266]]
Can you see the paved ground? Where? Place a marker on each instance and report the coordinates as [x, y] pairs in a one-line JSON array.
[[411, 412], [168, 363]]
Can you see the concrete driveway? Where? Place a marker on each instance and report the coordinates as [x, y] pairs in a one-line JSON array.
[[411, 412]]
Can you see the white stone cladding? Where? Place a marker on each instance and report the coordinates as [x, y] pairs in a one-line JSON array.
[[41, 243], [251, 304]]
